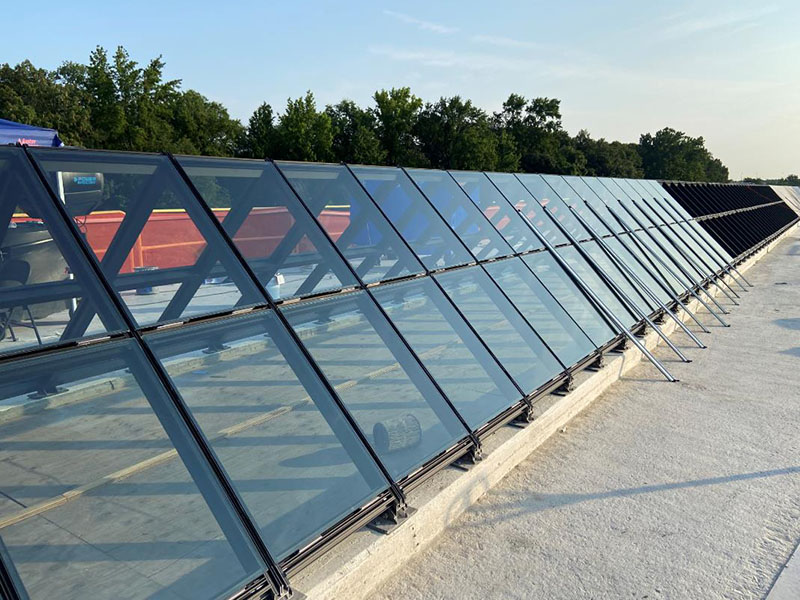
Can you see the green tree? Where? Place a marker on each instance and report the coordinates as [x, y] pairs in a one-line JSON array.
[[204, 127], [259, 137], [609, 159], [396, 112], [543, 144], [303, 133], [671, 154], [354, 134], [455, 134]]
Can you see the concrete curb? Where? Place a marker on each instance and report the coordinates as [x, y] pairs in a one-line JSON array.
[[363, 561]]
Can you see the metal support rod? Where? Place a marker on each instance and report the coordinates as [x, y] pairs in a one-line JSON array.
[[670, 270], [709, 248], [677, 263], [632, 274], [589, 292], [659, 277], [710, 278], [618, 292]]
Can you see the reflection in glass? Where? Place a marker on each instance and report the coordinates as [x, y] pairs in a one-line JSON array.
[[569, 295], [452, 353], [282, 244], [43, 275], [622, 281], [461, 214], [154, 241], [498, 210], [352, 221], [285, 444], [522, 201], [97, 501], [551, 203], [380, 382], [550, 321], [412, 215], [588, 275], [501, 327]]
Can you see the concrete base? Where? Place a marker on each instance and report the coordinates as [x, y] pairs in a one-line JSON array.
[[364, 560]]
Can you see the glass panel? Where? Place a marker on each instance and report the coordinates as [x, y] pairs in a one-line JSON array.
[[452, 353], [630, 288], [501, 327], [154, 241], [621, 220], [498, 210], [644, 196], [637, 217], [552, 204], [469, 223], [281, 242], [522, 200], [545, 315], [97, 501], [649, 255], [593, 281], [675, 276], [43, 275], [389, 395], [570, 296], [570, 197], [627, 258], [421, 227], [677, 257], [604, 224], [352, 220], [291, 454]]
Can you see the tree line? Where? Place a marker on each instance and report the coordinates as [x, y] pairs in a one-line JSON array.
[[114, 103]]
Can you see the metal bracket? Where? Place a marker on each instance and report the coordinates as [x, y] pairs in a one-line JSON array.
[[566, 387], [526, 417], [598, 362], [391, 518]]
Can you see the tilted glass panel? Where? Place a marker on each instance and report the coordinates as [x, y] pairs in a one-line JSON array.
[[412, 215], [287, 447], [502, 328], [641, 271], [498, 210], [644, 197], [666, 264], [622, 280], [154, 240], [352, 220], [570, 296], [552, 204], [571, 198], [461, 214], [282, 243], [661, 193], [449, 349], [394, 402], [563, 336], [587, 274], [678, 254], [620, 219], [44, 277], [626, 199], [649, 255], [592, 208], [104, 495], [522, 201]]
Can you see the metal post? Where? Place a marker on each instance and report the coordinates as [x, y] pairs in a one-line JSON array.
[[621, 263], [596, 299], [619, 293], [669, 269], [655, 274]]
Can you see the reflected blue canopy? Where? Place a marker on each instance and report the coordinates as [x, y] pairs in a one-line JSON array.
[[12, 132]]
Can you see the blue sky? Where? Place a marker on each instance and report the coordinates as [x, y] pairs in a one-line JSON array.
[[726, 70]]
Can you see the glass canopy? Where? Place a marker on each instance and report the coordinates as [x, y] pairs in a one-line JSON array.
[[211, 370]]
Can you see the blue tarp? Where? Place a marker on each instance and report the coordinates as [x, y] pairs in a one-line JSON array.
[[12, 133]]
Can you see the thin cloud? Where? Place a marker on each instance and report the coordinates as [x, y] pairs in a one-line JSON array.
[[735, 20], [419, 23], [503, 42]]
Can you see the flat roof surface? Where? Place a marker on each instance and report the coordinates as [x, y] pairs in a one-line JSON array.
[[657, 490]]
